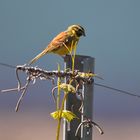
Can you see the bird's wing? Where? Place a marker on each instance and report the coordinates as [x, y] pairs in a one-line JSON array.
[[57, 42]]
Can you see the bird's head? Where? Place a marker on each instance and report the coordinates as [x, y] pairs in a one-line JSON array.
[[77, 29]]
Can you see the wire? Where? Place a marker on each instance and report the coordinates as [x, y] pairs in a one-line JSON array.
[[118, 90], [7, 65], [97, 84]]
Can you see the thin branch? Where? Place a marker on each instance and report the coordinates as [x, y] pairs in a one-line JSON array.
[[12, 89], [19, 82], [22, 95], [89, 124], [53, 93], [78, 128], [98, 128]]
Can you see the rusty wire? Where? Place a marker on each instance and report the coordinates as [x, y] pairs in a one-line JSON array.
[[34, 73]]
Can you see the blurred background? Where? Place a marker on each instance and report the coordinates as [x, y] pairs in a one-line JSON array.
[[112, 38]]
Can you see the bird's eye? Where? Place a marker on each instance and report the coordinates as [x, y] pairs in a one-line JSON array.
[[79, 32]]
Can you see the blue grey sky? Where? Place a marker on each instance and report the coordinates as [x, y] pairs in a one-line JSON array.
[[112, 38]]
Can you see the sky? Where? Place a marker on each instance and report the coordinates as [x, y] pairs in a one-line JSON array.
[[112, 38]]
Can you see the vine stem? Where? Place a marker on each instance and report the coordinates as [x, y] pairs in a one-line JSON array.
[[60, 116], [70, 52], [65, 95], [58, 105], [58, 91], [73, 57]]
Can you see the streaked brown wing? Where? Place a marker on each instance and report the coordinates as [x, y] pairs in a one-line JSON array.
[[57, 42]]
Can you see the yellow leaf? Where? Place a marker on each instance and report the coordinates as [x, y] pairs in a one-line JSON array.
[[68, 88], [87, 75], [68, 115]]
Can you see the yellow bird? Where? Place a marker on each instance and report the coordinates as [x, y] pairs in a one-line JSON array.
[[63, 43]]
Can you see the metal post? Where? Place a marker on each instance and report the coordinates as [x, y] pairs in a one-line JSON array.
[[83, 64]]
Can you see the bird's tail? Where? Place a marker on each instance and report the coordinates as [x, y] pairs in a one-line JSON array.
[[38, 56]]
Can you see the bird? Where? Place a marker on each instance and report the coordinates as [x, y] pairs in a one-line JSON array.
[[64, 43]]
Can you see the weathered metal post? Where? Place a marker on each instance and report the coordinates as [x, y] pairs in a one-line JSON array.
[[83, 64]]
